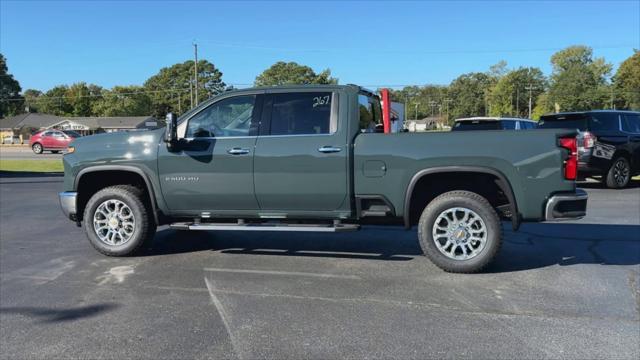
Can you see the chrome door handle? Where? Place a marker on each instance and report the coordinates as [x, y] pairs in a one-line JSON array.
[[238, 151], [329, 149]]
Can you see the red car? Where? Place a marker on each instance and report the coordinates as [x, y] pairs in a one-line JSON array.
[[52, 140]]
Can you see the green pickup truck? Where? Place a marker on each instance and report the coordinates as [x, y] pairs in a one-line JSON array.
[[312, 158]]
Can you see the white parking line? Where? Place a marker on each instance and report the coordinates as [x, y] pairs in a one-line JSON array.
[[284, 273], [225, 318]]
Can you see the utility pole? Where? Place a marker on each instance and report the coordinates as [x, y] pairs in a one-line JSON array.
[[433, 105], [517, 101], [447, 101], [417, 110], [191, 93], [612, 106], [195, 70], [530, 88]]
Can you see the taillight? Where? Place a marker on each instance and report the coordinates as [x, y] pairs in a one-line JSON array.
[[570, 163], [588, 140]]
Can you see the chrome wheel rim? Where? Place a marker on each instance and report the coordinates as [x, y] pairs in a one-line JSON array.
[[621, 172], [37, 148], [459, 233], [113, 222]]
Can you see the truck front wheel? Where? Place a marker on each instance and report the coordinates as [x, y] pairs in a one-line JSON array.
[[460, 232], [116, 220]]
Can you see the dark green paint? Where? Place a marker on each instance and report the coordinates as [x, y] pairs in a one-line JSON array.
[[287, 175]]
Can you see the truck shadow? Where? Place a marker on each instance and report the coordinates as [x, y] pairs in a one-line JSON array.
[[541, 245], [633, 184], [534, 246], [54, 315]]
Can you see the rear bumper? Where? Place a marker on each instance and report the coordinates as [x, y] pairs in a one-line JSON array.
[[68, 204], [566, 206]]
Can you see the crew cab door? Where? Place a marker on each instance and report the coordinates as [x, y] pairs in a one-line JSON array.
[[212, 166], [300, 161]]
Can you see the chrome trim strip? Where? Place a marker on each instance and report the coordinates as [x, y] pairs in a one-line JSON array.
[[278, 227], [329, 149], [68, 203], [557, 199]]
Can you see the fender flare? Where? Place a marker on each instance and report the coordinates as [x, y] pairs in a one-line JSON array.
[[502, 183], [133, 169]]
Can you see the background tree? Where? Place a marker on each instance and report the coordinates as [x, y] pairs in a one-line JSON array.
[[578, 81], [428, 100], [626, 83], [55, 102], [11, 102], [282, 73], [82, 97], [124, 101], [510, 95], [169, 89], [470, 93], [32, 99]]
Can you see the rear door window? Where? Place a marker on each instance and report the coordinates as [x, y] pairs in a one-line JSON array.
[[303, 113], [631, 123], [476, 125], [509, 124], [370, 113], [605, 121], [564, 121]]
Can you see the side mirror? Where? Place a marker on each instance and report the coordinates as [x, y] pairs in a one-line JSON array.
[[171, 135]]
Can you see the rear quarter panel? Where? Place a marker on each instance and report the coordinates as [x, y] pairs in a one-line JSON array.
[[530, 160]]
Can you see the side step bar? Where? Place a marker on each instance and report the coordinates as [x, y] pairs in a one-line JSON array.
[[266, 227]]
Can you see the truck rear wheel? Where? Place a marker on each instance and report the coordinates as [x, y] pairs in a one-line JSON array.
[[460, 232], [619, 174], [117, 222]]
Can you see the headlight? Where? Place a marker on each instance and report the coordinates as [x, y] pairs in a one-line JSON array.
[[70, 150]]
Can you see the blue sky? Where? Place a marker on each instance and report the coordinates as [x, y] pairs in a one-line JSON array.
[[367, 43]]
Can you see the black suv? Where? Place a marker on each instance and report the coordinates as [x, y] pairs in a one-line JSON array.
[[608, 143]]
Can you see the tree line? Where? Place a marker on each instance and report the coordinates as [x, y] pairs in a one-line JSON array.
[[578, 81]]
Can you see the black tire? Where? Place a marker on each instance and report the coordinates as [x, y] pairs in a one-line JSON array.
[[37, 148], [471, 201], [619, 173], [144, 228]]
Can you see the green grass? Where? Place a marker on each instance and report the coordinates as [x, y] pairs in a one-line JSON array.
[[31, 165]]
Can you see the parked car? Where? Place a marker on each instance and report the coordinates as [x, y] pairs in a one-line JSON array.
[[608, 144], [309, 158], [9, 139], [492, 123], [52, 140]]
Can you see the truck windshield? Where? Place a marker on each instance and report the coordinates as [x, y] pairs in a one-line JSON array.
[[564, 121], [71, 133], [476, 125]]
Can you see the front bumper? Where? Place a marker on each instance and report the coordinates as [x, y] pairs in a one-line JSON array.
[[566, 206], [68, 204]]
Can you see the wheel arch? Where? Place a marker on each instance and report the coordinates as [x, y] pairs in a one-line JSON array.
[[501, 181], [139, 178]]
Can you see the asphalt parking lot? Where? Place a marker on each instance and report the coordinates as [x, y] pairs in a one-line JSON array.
[[566, 290], [25, 153]]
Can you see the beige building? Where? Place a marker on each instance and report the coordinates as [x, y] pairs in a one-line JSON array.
[[21, 124]]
